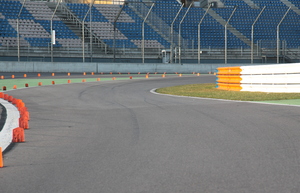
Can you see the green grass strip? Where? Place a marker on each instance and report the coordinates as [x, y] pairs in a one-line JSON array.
[[20, 83], [209, 91]]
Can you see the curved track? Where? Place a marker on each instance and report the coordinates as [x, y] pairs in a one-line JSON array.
[[117, 137]]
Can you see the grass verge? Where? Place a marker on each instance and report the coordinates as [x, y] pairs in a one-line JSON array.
[[209, 91]]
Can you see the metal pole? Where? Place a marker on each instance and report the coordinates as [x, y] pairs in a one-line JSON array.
[[18, 31], [172, 36], [199, 25], [252, 33], [91, 34], [143, 32], [115, 22], [179, 35], [51, 30], [278, 40], [83, 58], [226, 33]]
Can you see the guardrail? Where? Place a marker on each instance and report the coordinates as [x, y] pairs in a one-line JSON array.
[[264, 78]]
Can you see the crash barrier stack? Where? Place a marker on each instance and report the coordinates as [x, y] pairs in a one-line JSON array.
[[280, 78], [18, 134]]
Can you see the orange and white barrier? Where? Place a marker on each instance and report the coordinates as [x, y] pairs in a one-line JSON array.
[[16, 121], [264, 78]]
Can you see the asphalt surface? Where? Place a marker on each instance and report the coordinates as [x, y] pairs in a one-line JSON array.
[[117, 137]]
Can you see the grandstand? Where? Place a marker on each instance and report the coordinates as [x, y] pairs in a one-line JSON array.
[[112, 31]]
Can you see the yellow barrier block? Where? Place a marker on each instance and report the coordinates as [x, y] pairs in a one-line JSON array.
[[229, 79], [230, 87], [236, 70]]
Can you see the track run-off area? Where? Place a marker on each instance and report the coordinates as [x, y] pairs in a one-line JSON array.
[[118, 137]]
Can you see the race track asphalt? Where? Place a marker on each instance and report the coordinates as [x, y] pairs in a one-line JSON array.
[[118, 137]]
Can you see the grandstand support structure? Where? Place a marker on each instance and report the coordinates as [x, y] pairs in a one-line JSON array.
[[172, 34], [278, 33], [289, 4], [51, 31], [143, 32], [199, 33], [226, 24], [179, 34], [18, 31], [252, 33]]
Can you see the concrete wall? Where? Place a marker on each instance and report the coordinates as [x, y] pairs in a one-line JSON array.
[[109, 67]]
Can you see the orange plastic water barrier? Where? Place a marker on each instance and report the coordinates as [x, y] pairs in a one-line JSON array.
[[236, 70], [229, 79], [232, 87]]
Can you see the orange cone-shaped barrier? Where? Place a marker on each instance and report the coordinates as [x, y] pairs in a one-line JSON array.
[[139, 73], [26, 84], [198, 74], [180, 75], [128, 72], [114, 78], [40, 83], [98, 79], [25, 75], [2, 77], [53, 82], [155, 72], [15, 87], [69, 81], [69, 74], [147, 76], [18, 135], [83, 80], [84, 73], [52, 74], [38, 74], [163, 75], [1, 158], [10, 98], [92, 73], [5, 96], [23, 122], [110, 73], [12, 76], [3, 87], [1, 94], [119, 72], [130, 77]]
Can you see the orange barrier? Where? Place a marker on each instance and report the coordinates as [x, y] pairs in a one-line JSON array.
[[110, 73], [69, 81], [163, 75], [26, 85], [92, 73], [69, 73], [83, 80], [38, 74], [2, 77], [130, 77], [1, 94], [114, 78], [53, 82], [147, 76], [84, 73], [52, 74], [1, 158], [10, 98], [232, 87], [98, 79], [3, 87], [236, 70], [229, 79], [18, 135], [128, 72], [180, 75], [40, 84], [198, 74], [15, 87], [5, 96], [25, 75], [12, 76]]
